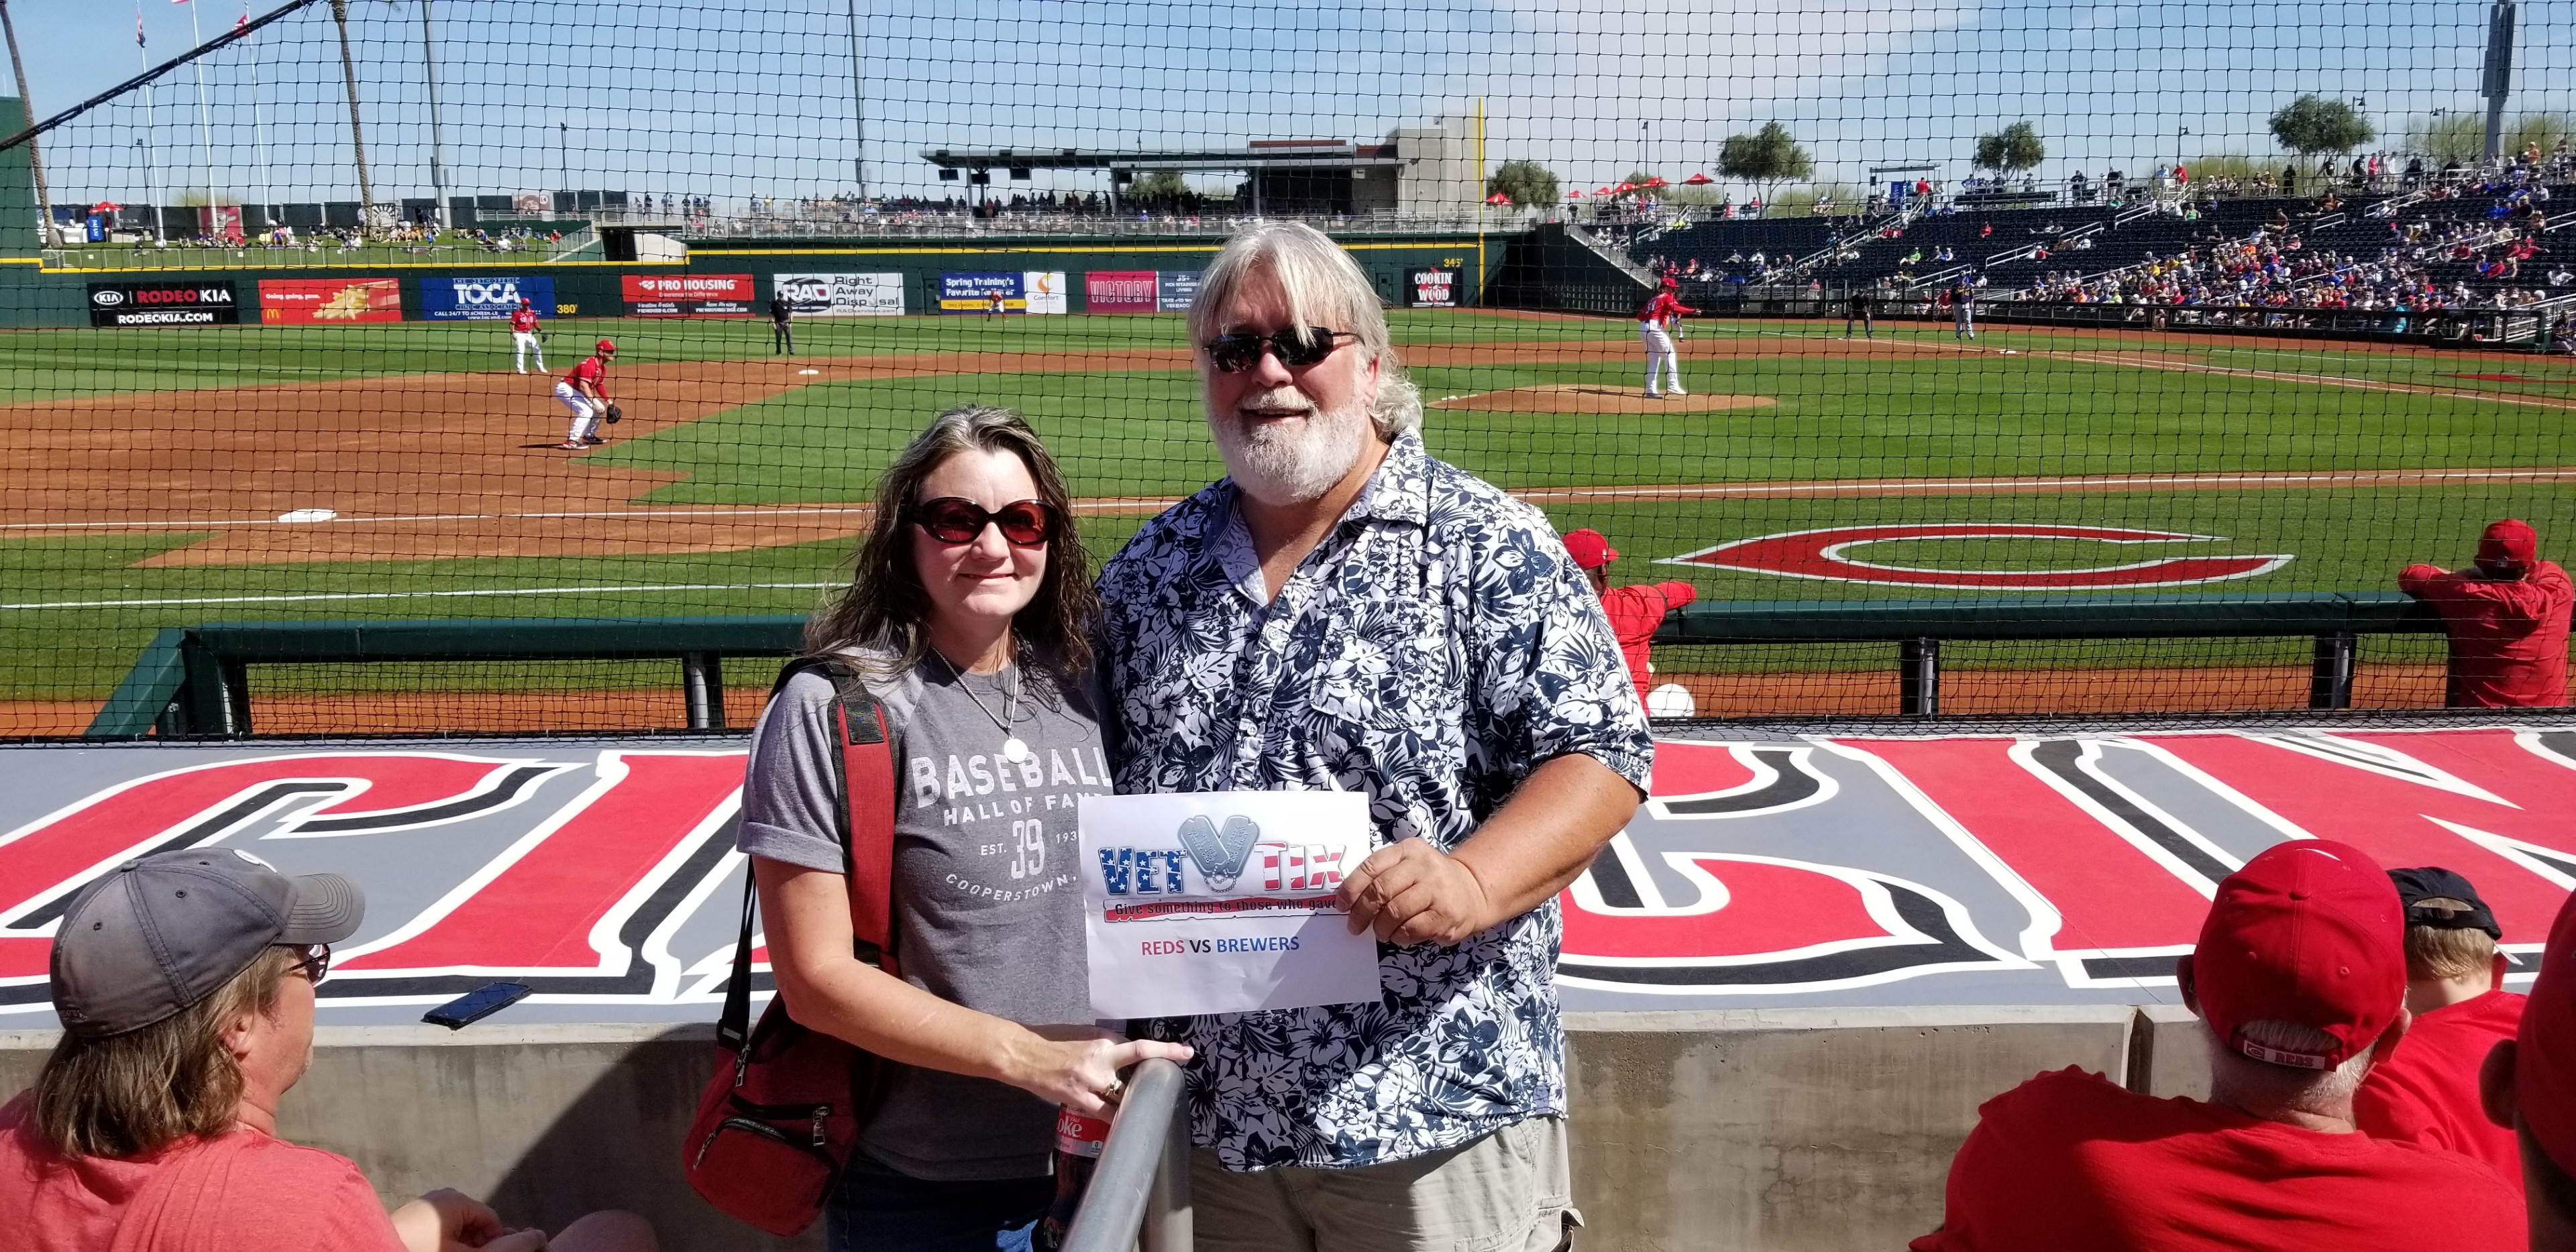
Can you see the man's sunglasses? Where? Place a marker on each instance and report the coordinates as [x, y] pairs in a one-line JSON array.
[[316, 962], [1296, 347], [953, 519]]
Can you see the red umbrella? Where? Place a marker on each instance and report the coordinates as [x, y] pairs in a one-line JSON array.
[[1574, 195], [1698, 180], [105, 206], [1655, 182], [1498, 198]]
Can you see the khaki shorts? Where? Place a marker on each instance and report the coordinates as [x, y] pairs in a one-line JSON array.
[[1506, 1192]]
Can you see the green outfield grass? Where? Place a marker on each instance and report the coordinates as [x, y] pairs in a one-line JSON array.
[[74, 609]]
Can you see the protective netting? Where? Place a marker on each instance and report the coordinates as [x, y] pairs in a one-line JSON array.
[[2090, 314]]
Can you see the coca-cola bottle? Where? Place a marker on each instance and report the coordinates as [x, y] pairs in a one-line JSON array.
[[1078, 1141]]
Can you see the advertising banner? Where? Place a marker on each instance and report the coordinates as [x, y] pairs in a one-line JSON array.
[[1431, 289], [220, 221], [1176, 291], [484, 299], [163, 304], [688, 295], [1223, 902], [284, 301], [973, 293], [1118, 291], [841, 295], [1043, 291]]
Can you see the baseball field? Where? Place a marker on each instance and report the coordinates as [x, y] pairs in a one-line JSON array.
[[150, 471]]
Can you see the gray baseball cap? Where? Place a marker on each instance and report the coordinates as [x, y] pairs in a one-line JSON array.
[[159, 933]]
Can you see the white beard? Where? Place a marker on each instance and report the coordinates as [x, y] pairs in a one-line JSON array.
[[1281, 464]]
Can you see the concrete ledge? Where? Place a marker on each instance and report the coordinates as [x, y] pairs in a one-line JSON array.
[[1772, 1129]]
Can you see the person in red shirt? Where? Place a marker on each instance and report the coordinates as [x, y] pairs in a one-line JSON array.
[[585, 392], [523, 337], [1655, 324], [2427, 1090], [185, 982], [2299, 978], [1635, 612], [2507, 619], [2529, 1084]]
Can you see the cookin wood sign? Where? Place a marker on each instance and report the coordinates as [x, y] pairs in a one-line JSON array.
[[1767, 869]]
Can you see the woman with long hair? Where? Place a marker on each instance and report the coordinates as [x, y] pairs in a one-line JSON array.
[[969, 619]]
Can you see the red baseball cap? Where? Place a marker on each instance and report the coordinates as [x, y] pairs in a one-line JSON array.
[[2309, 932], [2544, 1055], [608, 345], [1589, 549], [2509, 542]]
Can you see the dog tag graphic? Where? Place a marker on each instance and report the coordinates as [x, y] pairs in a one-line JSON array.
[[1219, 855]]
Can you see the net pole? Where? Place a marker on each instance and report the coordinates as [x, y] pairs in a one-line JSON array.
[[151, 123], [35, 160], [437, 146], [259, 133], [858, 103], [205, 117]]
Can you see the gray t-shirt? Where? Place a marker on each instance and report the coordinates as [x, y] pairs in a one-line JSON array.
[[988, 910]]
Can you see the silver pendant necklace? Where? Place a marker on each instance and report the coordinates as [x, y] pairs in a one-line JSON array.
[[1013, 748]]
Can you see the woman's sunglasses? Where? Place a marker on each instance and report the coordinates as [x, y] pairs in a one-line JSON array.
[[952, 519], [1296, 347]]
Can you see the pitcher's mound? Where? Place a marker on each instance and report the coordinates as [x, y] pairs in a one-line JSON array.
[[1594, 398]]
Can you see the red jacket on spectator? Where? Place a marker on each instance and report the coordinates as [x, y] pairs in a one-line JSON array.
[[2508, 634], [2426, 1092]]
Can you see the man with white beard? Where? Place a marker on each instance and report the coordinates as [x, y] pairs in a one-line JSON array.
[[1342, 612]]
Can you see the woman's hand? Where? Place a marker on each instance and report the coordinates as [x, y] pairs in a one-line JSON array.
[[1079, 1066]]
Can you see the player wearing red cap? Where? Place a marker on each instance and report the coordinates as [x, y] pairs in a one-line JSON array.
[[2427, 1092], [1655, 324], [585, 392], [523, 337], [2507, 619], [2529, 1084], [2299, 977], [1634, 611]]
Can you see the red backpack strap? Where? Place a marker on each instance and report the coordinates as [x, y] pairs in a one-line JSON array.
[[867, 787]]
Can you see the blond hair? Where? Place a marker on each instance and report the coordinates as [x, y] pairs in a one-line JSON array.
[[2445, 951], [1323, 287], [127, 1094]]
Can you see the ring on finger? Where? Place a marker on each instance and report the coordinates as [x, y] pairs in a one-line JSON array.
[[1115, 1086]]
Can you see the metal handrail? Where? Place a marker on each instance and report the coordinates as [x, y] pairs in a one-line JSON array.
[[1141, 1185]]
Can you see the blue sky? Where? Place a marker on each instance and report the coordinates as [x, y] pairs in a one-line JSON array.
[[755, 96]]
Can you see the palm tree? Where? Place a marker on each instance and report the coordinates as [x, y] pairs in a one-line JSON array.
[[357, 133]]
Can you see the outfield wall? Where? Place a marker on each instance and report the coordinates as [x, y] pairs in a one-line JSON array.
[[1430, 270], [1781, 1130]]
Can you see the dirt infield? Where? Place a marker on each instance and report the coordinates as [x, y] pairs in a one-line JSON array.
[[2218, 689], [1587, 399]]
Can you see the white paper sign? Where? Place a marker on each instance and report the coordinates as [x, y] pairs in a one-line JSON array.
[[1222, 902]]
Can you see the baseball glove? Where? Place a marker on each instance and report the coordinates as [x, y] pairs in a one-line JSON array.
[[615, 415]]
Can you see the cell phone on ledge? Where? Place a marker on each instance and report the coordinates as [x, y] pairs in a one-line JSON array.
[[475, 1005]]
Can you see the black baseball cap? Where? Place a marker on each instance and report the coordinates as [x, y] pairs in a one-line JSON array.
[[160, 933], [2432, 882]]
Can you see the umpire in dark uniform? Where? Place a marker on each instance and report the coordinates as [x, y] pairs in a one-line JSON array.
[[1859, 310], [782, 331]]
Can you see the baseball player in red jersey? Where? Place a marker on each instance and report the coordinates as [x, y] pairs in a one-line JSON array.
[[585, 392], [523, 337], [1634, 613], [1655, 324]]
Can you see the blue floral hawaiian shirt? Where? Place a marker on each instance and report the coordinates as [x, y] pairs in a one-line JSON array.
[[1434, 649]]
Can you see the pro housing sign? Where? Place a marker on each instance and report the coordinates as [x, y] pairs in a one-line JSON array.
[[688, 295], [484, 299], [163, 304]]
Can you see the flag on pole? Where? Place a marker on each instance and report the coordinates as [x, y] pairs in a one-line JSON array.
[[138, 23]]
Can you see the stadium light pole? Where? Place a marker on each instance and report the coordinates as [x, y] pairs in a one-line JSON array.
[[205, 118], [35, 162], [859, 102], [437, 159], [2497, 82]]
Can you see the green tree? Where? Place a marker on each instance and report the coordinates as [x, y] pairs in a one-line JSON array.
[[1158, 185], [1766, 158], [2450, 137], [2312, 124], [1525, 183], [2544, 129], [357, 135], [2011, 150]]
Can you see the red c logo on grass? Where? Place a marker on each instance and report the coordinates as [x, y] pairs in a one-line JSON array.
[[1823, 554]]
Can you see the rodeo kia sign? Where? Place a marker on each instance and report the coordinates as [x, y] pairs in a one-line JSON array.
[[163, 304], [1769, 868]]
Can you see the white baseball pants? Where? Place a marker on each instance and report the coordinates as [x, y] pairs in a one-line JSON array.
[[1659, 353], [525, 341], [585, 413]]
